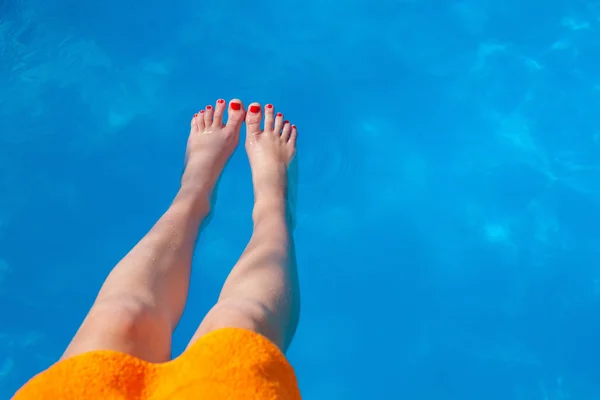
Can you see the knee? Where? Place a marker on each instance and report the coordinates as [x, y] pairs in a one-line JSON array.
[[132, 316], [132, 322]]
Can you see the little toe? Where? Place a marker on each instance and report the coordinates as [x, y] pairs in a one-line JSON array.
[[293, 137], [194, 123]]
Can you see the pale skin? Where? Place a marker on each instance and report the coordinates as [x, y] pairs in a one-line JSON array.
[[142, 299]]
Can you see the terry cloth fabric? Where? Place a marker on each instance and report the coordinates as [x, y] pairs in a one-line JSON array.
[[225, 364]]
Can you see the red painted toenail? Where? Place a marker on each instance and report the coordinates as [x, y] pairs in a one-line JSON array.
[[293, 126], [236, 106], [201, 111], [254, 109], [209, 107], [220, 101], [195, 115], [279, 114], [269, 106], [286, 122]]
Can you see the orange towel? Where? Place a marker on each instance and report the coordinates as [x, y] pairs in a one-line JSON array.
[[225, 364]]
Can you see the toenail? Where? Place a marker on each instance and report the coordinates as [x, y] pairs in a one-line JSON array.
[[209, 107], [201, 111], [220, 101], [286, 122], [269, 106], [254, 109], [195, 115], [293, 126], [279, 114], [236, 106]]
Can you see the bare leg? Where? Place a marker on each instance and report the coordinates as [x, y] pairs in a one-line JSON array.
[[261, 292], [142, 300]]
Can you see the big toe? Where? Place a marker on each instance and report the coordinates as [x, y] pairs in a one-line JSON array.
[[253, 118], [235, 114]]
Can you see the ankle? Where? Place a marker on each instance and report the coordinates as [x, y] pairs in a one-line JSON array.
[[197, 175], [270, 182], [269, 208], [196, 197]]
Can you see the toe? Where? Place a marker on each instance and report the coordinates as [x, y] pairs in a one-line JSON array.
[[219, 111], [293, 137], [200, 120], [253, 119], [285, 133], [235, 114], [194, 123], [209, 111], [269, 118], [278, 122]]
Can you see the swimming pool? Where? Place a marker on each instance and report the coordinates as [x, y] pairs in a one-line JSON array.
[[449, 158]]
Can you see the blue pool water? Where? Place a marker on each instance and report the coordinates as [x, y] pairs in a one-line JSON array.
[[449, 153]]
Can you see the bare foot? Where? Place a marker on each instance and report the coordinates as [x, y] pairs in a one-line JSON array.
[[211, 144], [270, 151]]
